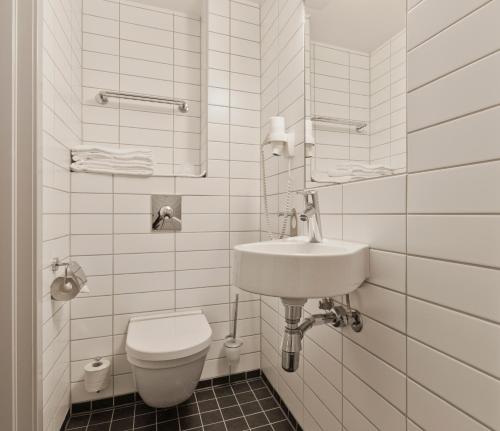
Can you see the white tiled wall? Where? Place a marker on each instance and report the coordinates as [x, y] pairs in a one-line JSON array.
[[132, 271], [388, 103], [61, 130], [427, 358], [130, 46]]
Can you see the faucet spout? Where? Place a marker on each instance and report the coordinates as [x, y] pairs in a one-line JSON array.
[[312, 216]]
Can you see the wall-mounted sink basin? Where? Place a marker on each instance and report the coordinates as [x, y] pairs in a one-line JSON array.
[[295, 269]]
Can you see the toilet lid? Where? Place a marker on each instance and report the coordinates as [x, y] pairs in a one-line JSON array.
[[168, 336]]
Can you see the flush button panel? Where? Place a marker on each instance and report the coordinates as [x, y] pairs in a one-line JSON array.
[[166, 213]]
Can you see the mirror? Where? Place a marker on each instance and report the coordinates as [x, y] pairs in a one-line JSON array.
[[355, 84], [143, 54]]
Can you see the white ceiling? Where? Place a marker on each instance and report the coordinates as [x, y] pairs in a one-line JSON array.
[[360, 25]]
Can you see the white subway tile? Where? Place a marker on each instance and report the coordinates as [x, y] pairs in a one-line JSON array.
[[91, 328], [382, 341], [453, 285], [353, 419], [244, 12], [144, 282], [91, 348], [472, 239], [202, 259], [143, 243], [103, 8], [330, 368], [91, 307], [327, 421], [384, 195], [146, 262], [91, 244], [460, 93], [437, 16], [203, 296], [383, 305], [95, 265], [384, 232], [446, 330], [434, 414], [138, 15], [160, 54], [464, 387], [384, 379], [388, 270], [371, 404], [465, 140], [145, 301], [454, 46], [456, 190]]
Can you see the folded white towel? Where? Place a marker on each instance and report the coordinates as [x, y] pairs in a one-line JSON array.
[[110, 151], [114, 164], [337, 174], [97, 170], [355, 170], [106, 159], [360, 172], [88, 158], [98, 156], [361, 166]]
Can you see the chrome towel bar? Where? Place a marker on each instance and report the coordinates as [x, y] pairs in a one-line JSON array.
[[359, 125], [104, 95]]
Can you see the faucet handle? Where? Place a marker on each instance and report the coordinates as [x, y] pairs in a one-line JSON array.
[[310, 196], [326, 304], [307, 192]]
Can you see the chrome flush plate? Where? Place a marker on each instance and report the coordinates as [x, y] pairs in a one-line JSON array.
[[166, 213]]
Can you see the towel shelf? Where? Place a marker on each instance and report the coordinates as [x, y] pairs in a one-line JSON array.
[[104, 95], [359, 125], [313, 179], [203, 174]]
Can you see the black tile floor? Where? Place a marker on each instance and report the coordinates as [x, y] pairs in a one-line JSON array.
[[244, 405]]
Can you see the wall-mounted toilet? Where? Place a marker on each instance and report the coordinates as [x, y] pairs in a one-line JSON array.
[[167, 353]]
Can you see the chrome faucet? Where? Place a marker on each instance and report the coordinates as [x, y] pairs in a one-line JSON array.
[[312, 215]]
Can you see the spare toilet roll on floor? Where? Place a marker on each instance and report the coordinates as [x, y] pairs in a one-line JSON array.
[[97, 375]]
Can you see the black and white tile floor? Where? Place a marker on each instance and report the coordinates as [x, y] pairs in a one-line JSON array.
[[243, 405]]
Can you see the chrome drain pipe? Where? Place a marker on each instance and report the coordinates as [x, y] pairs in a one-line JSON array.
[[292, 338], [337, 316]]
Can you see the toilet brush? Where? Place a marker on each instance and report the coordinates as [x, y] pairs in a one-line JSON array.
[[232, 345]]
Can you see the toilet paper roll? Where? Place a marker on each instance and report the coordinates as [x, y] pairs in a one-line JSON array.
[[97, 375]]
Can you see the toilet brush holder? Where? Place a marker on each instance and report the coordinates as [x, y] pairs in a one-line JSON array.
[[232, 349]]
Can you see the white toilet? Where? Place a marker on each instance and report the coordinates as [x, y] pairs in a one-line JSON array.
[[167, 353]]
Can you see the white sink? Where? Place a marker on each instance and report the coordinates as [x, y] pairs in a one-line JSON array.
[[295, 269]]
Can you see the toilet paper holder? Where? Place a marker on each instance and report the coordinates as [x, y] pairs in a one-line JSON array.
[[74, 281]]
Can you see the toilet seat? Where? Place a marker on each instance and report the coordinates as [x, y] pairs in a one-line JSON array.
[[172, 363], [167, 337]]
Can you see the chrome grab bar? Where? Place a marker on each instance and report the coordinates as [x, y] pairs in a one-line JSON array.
[[104, 95]]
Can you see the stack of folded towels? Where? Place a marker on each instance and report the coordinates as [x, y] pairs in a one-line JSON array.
[[349, 171], [88, 158]]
